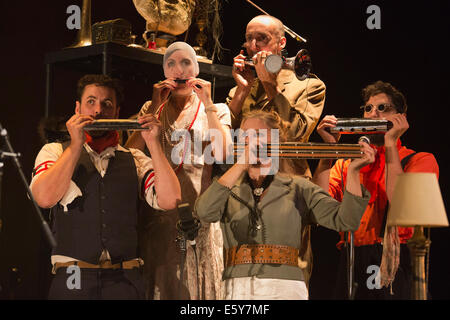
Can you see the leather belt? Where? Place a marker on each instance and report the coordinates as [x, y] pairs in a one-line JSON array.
[[261, 253], [130, 264]]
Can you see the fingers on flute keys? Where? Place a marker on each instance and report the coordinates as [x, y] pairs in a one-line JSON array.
[[75, 126], [148, 121], [368, 152], [324, 129], [239, 61]]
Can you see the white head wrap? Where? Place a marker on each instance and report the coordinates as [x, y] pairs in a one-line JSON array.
[[180, 45]]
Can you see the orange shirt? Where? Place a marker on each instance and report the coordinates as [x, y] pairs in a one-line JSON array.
[[373, 178]]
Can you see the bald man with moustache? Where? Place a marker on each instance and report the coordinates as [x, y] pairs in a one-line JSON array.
[[299, 103]]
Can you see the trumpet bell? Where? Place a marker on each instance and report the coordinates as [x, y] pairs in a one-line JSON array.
[[274, 63], [300, 64]]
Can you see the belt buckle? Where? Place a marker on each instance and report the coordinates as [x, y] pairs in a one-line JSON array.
[[106, 264]]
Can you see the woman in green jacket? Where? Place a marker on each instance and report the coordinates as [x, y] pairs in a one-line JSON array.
[[262, 213]]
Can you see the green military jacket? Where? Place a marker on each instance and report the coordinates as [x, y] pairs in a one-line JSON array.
[[288, 203]]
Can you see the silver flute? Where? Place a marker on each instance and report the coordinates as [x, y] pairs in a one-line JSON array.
[[361, 126], [114, 124]]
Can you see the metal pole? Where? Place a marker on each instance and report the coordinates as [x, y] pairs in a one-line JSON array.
[[15, 156], [351, 275]]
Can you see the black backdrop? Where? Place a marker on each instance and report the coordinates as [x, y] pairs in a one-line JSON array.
[[408, 51]]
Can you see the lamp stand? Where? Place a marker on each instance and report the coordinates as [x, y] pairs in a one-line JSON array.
[[418, 246]]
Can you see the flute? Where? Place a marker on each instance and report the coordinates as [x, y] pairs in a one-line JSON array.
[[361, 126], [182, 81], [311, 150], [114, 124]]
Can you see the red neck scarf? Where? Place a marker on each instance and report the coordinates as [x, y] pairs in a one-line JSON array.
[[111, 139], [373, 174]]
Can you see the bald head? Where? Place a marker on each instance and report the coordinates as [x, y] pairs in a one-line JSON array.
[[264, 33], [273, 25]]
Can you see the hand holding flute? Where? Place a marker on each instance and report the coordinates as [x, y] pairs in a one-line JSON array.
[[323, 129], [161, 91], [242, 73], [321, 175]]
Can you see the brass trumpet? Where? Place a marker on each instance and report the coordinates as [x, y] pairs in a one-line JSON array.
[[300, 64]]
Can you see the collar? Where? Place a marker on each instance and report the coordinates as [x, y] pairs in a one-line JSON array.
[[108, 152], [258, 93], [285, 76], [278, 188], [111, 139], [373, 172], [279, 179], [382, 149]]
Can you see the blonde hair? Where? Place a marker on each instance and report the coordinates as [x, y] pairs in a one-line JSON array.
[[273, 120]]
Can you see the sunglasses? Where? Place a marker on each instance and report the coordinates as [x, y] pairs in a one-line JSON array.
[[383, 107]]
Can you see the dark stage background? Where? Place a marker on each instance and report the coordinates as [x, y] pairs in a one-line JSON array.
[[408, 51]]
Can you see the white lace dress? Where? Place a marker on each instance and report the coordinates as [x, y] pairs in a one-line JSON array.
[[161, 253]]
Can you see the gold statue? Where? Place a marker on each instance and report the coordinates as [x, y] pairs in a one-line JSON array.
[[172, 17]]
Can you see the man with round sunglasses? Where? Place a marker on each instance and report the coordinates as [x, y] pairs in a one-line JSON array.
[[376, 245], [382, 107]]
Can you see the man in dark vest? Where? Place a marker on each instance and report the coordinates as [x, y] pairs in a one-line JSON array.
[[94, 186]]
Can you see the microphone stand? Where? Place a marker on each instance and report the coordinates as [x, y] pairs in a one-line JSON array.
[[15, 156], [1, 177], [352, 285]]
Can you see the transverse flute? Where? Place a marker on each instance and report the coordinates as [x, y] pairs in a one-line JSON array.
[[361, 126], [114, 124], [311, 150]]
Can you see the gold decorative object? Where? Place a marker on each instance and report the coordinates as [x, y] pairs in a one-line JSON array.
[[117, 30], [172, 17], [84, 35], [201, 37], [417, 202]]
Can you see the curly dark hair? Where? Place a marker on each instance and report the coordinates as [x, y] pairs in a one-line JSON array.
[[102, 81], [397, 98]]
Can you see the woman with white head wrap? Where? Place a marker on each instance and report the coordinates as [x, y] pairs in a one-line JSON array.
[[188, 53], [183, 104]]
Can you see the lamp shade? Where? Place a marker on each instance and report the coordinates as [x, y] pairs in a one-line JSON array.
[[417, 201]]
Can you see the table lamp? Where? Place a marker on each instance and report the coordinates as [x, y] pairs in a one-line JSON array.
[[417, 202]]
